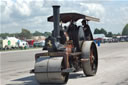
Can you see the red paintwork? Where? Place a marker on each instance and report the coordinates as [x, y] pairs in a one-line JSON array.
[[30, 42]]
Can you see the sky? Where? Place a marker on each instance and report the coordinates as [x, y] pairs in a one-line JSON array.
[[32, 14]]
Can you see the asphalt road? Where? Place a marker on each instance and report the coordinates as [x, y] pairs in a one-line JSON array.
[[112, 70]]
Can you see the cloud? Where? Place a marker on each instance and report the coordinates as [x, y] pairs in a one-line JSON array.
[[21, 13], [124, 14], [93, 9], [6, 11], [22, 7], [31, 14]]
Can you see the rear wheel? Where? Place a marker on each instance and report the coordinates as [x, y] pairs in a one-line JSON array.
[[89, 52]]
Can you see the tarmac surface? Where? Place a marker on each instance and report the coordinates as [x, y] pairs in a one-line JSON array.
[[112, 69]]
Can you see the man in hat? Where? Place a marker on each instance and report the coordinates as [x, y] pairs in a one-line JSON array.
[[87, 31]]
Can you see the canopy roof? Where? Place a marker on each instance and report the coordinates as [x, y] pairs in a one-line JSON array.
[[66, 17]]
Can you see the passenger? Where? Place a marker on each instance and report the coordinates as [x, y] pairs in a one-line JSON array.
[[72, 32], [71, 29], [87, 31]]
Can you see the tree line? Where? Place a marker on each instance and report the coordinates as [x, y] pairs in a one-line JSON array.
[[110, 34], [25, 34], [103, 31]]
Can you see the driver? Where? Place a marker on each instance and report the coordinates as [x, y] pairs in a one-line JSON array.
[[87, 31], [71, 29]]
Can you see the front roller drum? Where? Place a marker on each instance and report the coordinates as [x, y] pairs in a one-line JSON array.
[[50, 71]]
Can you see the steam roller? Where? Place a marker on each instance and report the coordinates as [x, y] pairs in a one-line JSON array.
[[69, 49]]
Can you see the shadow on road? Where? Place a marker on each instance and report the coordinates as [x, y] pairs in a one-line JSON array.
[[76, 75], [30, 80]]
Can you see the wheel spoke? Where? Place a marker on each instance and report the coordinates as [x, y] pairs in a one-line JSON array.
[[91, 57], [92, 60]]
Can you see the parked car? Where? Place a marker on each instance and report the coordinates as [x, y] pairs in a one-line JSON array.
[[23, 44], [39, 44]]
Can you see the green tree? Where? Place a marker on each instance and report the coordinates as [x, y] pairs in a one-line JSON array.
[[37, 33], [25, 34], [109, 34], [96, 31], [100, 31], [125, 30], [118, 34], [4, 35], [46, 34], [103, 31], [17, 35]]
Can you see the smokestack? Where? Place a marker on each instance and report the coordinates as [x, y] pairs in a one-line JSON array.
[[56, 18]]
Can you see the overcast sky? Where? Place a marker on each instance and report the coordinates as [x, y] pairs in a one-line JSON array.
[[32, 14]]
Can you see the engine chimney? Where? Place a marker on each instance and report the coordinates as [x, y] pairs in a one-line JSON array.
[[56, 18]]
